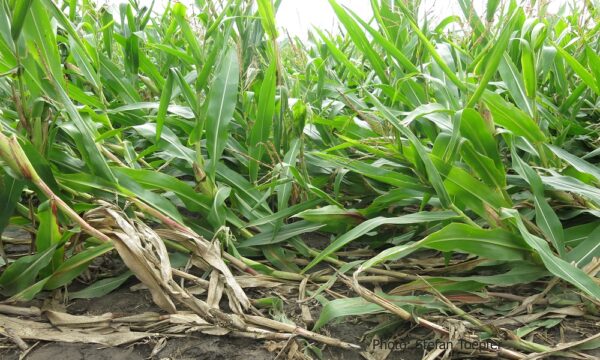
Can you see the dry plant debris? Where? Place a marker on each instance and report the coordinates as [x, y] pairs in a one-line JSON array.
[[435, 181]]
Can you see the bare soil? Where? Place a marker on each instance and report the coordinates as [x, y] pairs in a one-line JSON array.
[[124, 301], [191, 346]]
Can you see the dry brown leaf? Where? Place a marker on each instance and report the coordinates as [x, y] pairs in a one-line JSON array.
[[187, 318], [208, 252], [525, 319], [215, 290], [32, 330], [81, 321]]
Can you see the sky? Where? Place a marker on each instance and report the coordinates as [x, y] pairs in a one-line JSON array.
[[299, 16]]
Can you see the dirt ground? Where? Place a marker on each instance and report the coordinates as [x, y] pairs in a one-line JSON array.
[[206, 347], [127, 302], [192, 346], [124, 301]]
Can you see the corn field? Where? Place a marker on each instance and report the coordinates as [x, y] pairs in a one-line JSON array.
[[408, 175]]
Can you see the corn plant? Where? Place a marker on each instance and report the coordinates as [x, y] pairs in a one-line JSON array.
[[206, 135]]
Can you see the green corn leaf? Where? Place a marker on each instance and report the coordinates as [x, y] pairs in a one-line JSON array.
[[594, 63], [359, 306], [84, 64], [490, 10], [468, 191], [101, 287], [339, 56], [335, 218], [387, 45], [468, 10], [39, 31], [260, 131], [432, 172], [514, 82], [484, 166], [546, 218], [221, 105], [267, 18], [381, 174], [575, 235], [369, 225], [107, 21], [66, 23], [528, 66], [165, 99], [480, 134], [493, 61], [431, 49], [23, 272], [187, 92], [153, 180], [75, 265], [284, 233], [244, 189], [496, 244], [576, 162], [360, 40], [555, 265], [586, 250], [284, 191], [48, 233], [218, 213], [570, 184], [579, 69], [511, 118], [280, 258], [30, 292], [20, 12], [179, 13], [10, 194], [285, 213], [519, 273]]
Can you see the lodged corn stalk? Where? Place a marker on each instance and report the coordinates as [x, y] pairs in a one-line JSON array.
[[447, 161]]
